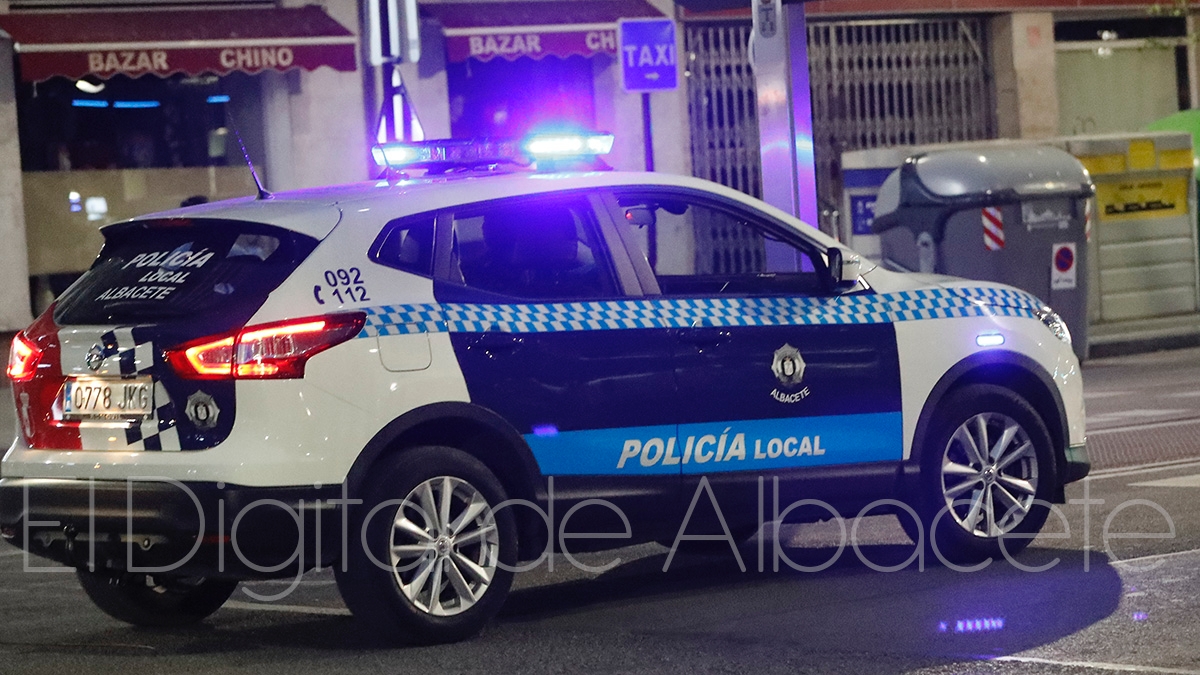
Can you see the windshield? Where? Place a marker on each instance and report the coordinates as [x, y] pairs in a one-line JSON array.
[[161, 269]]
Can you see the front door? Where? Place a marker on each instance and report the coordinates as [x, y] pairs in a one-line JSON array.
[[776, 376]]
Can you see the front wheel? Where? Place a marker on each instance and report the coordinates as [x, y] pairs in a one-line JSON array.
[[987, 474], [429, 559], [155, 601]]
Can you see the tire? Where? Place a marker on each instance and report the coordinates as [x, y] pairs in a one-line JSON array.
[[155, 601], [968, 502], [421, 570]]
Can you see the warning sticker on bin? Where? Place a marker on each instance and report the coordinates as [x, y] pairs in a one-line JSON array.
[[993, 228], [1063, 267]]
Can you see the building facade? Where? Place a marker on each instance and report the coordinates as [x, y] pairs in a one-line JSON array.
[[111, 109]]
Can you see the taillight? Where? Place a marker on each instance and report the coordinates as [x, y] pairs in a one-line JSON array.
[[267, 351], [23, 359]]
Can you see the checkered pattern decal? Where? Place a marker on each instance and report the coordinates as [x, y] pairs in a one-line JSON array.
[[134, 358], [669, 313]]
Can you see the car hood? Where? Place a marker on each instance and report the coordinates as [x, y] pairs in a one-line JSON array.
[[887, 281]]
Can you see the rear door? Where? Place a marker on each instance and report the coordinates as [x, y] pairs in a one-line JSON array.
[[551, 335]]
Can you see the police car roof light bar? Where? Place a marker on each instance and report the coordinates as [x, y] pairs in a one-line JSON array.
[[447, 154], [443, 155], [568, 145]]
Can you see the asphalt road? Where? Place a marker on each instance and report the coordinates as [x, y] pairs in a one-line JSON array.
[[1120, 591]]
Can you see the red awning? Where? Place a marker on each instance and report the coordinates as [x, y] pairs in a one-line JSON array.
[[510, 30], [164, 42]]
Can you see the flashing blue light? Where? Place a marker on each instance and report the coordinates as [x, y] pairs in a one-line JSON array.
[[556, 146], [989, 340], [218, 98], [130, 105], [88, 103], [545, 431], [1140, 616], [446, 153], [395, 155]]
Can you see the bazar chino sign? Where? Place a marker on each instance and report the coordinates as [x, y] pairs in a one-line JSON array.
[[534, 44], [37, 66]]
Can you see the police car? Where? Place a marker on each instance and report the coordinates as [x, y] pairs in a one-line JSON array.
[[431, 381]]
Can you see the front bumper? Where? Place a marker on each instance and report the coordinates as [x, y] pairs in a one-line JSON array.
[[1077, 465], [206, 529]]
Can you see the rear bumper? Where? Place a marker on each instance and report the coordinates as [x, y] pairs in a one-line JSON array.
[[209, 529]]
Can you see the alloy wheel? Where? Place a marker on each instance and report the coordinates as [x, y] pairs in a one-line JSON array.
[[989, 474], [444, 546]]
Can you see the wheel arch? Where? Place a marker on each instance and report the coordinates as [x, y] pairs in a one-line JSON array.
[[1010, 370], [475, 430]]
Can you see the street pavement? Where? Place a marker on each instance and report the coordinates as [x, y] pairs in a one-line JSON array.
[[1111, 586]]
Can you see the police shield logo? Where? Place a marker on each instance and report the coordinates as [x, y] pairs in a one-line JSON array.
[[788, 365], [202, 410]]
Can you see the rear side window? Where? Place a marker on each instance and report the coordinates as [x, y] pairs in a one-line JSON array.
[[164, 269], [535, 249]]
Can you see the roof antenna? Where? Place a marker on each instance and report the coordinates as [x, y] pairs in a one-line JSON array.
[[262, 191]]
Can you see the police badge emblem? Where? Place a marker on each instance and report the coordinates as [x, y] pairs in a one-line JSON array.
[[788, 365]]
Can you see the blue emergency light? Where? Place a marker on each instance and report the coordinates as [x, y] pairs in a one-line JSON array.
[[441, 155], [568, 146]]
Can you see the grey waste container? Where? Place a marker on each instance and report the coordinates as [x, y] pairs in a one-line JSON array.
[[1015, 215]]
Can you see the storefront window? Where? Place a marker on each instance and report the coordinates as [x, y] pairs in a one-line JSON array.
[[128, 123], [501, 98]]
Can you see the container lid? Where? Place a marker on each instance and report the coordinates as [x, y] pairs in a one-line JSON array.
[[948, 180]]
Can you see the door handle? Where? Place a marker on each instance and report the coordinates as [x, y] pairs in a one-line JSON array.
[[704, 337]]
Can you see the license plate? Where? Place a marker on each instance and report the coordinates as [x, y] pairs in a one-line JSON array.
[[99, 397]]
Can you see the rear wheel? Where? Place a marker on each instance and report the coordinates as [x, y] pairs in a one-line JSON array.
[[429, 560], [161, 601], [987, 474]]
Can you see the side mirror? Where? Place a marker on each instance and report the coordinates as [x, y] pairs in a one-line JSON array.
[[640, 216], [843, 271]]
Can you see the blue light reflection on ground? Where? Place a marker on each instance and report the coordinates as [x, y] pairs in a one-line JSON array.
[[982, 625]]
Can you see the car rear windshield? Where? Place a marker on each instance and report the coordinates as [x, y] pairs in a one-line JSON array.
[[165, 269]]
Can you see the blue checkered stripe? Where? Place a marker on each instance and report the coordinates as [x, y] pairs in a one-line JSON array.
[[919, 305]]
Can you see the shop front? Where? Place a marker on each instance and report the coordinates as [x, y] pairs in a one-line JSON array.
[[515, 67], [124, 112]]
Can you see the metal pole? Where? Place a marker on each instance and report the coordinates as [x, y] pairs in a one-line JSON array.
[[647, 133]]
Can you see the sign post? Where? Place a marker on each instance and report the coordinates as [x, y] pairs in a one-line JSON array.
[[779, 59], [649, 62]]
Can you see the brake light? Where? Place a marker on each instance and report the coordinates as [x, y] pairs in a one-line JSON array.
[[23, 359], [207, 360], [267, 351]]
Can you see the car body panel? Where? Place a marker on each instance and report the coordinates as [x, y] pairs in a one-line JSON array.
[[592, 377]]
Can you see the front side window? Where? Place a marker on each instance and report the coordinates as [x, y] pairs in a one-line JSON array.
[[699, 248], [537, 249]]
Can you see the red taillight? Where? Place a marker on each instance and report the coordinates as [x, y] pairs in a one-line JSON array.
[[267, 351], [23, 359], [207, 360]]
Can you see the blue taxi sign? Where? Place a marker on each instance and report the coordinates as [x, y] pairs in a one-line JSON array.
[[649, 60]]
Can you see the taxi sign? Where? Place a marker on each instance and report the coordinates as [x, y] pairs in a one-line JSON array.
[[649, 59]]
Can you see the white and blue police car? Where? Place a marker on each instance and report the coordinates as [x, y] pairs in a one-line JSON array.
[[418, 381]]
